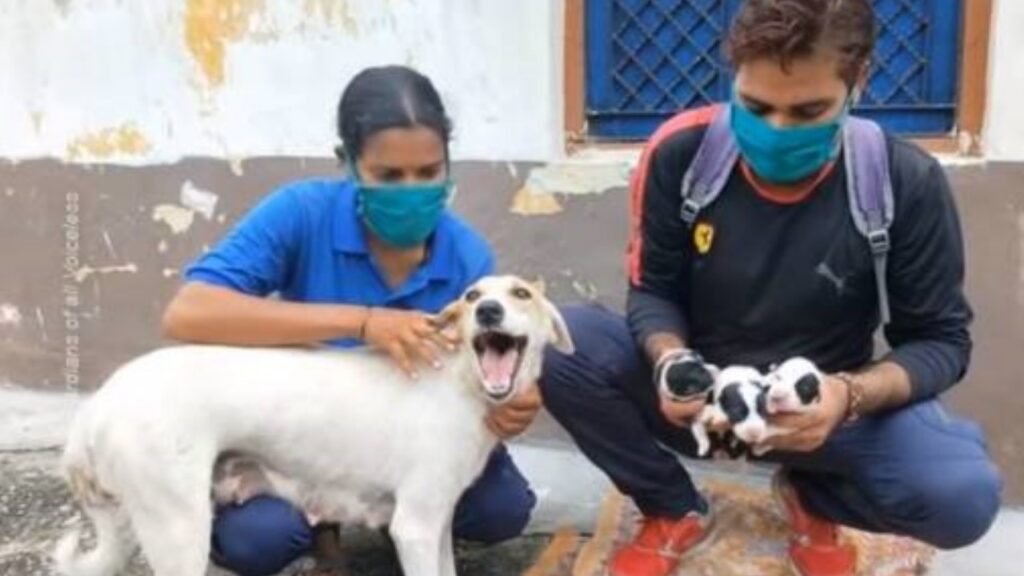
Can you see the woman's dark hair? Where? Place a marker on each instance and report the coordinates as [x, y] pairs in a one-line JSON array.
[[790, 29], [387, 97]]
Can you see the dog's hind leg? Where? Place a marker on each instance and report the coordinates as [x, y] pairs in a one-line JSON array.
[[170, 509], [175, 537], [114, 544]]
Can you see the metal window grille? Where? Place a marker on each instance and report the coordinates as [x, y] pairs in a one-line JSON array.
[[648, 59]]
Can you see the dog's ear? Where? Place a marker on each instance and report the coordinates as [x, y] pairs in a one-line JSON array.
[[539, 285], [450, 315], [559, 336]]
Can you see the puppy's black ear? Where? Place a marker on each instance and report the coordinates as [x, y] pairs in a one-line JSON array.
[[808, 388]]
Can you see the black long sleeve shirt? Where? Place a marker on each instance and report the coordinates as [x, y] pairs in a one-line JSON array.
[[760, 278]]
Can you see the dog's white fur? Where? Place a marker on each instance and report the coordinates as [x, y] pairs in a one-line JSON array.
[[343, 433]]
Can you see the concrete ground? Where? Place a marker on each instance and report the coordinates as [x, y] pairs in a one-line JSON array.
[[35, 508]]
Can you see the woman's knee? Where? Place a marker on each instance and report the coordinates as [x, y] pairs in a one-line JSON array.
[[260, 537], [498, 506], [493, 521]]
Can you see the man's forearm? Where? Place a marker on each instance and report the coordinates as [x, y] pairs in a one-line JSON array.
[[883, 386], [657, 323]]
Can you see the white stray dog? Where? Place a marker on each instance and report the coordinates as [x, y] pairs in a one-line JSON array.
[[341, 432]]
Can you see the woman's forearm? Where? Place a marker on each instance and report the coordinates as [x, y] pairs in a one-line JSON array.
[[214, 315]]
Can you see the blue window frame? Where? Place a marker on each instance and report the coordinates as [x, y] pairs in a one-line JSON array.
[[648, 59]]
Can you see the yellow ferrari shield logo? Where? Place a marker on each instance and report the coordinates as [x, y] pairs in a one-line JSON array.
[[703, 236]]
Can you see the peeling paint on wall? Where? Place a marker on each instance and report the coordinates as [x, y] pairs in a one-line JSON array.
[[537, 196], [579, 177], [530, 202], [210, 25], [178, 218], [108, 142], [85, 271], [249, 78], [42, 324], [110, 245], [201, 201], [336, 13], [10, 315]]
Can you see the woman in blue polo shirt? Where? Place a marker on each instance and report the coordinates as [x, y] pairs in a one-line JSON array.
[[366, 259]]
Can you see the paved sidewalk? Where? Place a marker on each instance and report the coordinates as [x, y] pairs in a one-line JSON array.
[[35, 506]]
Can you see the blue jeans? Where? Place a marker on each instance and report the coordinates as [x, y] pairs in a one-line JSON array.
[[265, 534], [917, 471]]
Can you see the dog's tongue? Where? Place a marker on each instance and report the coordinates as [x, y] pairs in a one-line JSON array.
[[499, 368]]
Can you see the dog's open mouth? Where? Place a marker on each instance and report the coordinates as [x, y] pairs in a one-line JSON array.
[[499, 356]]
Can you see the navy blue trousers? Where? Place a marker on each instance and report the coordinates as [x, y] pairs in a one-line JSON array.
[[265, 534], [917, 471]]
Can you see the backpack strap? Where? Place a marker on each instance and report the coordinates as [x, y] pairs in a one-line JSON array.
[[869, 188], [710, 168]]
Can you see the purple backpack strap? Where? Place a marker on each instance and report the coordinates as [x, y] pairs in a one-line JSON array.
[[870, 194], [710, 168]]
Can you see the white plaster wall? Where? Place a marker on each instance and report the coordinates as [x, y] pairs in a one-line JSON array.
[[1004, 126], [137, 81]]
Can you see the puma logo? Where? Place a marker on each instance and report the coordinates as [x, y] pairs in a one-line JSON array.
[[825, 272]]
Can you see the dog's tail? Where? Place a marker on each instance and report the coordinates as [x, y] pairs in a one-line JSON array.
[[113, 546]]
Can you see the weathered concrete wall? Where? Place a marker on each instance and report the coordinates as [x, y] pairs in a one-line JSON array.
[[92, 253], [155, 81], [1004, 125]]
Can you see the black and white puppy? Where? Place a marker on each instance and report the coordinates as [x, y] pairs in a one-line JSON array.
[[736, 401], [790, 388], [794, 386]]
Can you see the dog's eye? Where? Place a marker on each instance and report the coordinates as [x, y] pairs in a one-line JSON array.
[[472, 296], [521, 293]]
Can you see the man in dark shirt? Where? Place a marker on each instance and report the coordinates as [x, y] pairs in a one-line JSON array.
[[775, 268]]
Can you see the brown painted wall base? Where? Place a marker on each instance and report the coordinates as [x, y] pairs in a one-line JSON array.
[[90, 258]]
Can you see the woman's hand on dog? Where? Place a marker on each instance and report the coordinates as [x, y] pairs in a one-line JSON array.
[[515, 416], [409, 337], [812, 428]]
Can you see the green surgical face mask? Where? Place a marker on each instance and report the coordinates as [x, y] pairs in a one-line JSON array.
[[401, 215], [786, 155]]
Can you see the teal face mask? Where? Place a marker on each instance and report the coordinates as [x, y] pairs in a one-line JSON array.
[[785, 155], [402, 215]]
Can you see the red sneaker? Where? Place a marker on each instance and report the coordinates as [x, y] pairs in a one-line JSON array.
[[815, 549], [660, 545]]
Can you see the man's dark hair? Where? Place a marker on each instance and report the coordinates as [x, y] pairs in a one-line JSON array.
[[786, 30]]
